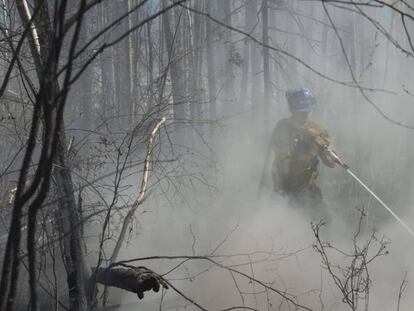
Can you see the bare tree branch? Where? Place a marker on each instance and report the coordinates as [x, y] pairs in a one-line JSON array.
[[141, 195]]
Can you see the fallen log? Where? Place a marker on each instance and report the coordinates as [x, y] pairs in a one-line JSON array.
[[133, 279]]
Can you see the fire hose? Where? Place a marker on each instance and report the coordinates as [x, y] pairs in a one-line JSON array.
[[348, 170]]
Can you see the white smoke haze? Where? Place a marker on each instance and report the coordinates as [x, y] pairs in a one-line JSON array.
[[207, 201], [236, 220], [375, 149]]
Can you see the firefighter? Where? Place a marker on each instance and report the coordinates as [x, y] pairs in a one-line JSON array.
[[299, 144]]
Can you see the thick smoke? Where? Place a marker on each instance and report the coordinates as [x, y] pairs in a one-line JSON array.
[[242, 225], [266, 229]]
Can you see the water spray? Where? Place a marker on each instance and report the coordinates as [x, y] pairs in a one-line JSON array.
[[348, 170]]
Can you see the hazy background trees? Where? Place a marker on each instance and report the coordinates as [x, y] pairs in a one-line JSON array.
[[84, 84]]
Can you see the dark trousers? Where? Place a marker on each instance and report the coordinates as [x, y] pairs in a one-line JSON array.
[[310, 201]]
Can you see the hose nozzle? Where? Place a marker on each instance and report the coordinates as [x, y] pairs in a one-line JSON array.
[[336, 157]]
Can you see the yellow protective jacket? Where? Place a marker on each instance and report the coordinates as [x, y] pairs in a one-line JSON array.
[[297, 149]]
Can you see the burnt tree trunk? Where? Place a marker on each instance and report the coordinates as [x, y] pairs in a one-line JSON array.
[[229, 50], [266, 63], [74, 253], [106, 64], [211, 69], [175, 69]]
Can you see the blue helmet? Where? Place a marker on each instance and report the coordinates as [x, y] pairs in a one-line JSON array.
[[301, 99]]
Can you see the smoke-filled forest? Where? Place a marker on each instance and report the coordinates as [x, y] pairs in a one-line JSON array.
[[206, 155]]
